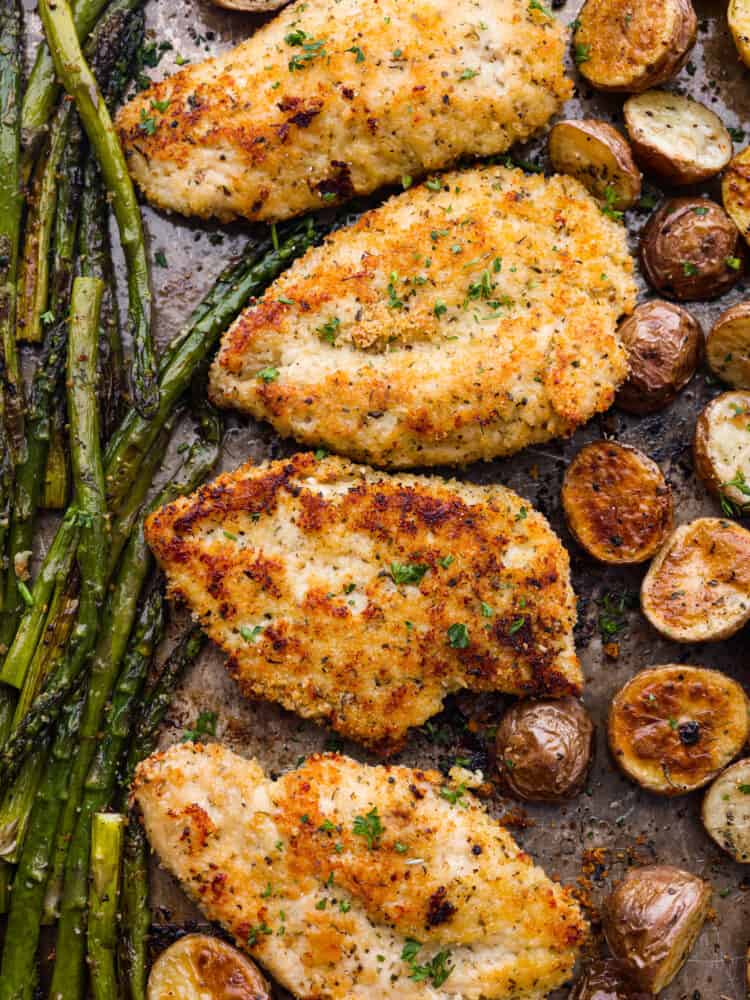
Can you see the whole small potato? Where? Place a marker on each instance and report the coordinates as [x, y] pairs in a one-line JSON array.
[[651, 921], [664, 344], [607, 979], [691, 249], [544, 749]]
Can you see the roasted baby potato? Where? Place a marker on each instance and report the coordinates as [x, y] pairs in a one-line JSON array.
[[726, 811], [690, 249], [607, 979], [680, 140], [599, 157], [201, 967], [672, 729], [631, 47], [738, 15], [652, 919], [664, 345], [728, 346], [617, 503], [697, 589], [721, 449], [544, 749], [735, 191]]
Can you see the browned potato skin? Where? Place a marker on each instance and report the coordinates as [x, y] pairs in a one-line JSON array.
[[736, 372], [607, 979], [701, 457], [651, 921], [617, 503], [624, 181], [664, 344], [544, 749], [224, 973], [626, 50], [684, 252], [672, 729]]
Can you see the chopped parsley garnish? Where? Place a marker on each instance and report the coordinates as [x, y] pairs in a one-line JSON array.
[[458, 636], [268, 374], [734, 263], [612, 617], [536, 5], [745, 789], [700, 210], [446, 561], [737, 134], [487, 611], [608, 208], [161, 258], [252, 934], [516, 625], [740, 483], [581, 53], [311, 49], [329, 329], [394, 302], [469, 74], [689, 269], [400, 848], [205, 726], [434, 184], [437, 970], [250, 634], [453, 795], [358, 53], [521, 515], [147, 124], [440, 308], [406, 181], [369, 827], [408, 572], [161, 106]]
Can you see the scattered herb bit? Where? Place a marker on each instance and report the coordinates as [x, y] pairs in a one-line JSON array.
[[406, 181], [458, 636], [161, 106], [369, 827], [437, 970], [537, 5], [581, 53], [469, 74], [147, 124], [329, 330], [204, 726], [700, 210], [358, 53], [745, 789], [400, 848], [734, 263], [737, 134], [408, 572], [250, 634], [446, 561], [608, 208], [440, 308], [161, 258], [689, 269], [740, 483], [321, 453], [394, 302], [453, 795], [487, 611], [252, 934], [612, 617], [516, 625], [311, 49], [268, 374], [434, 184], [47, 317], [521, 515]]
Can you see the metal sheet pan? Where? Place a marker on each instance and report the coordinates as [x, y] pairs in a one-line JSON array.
[[592, 840]]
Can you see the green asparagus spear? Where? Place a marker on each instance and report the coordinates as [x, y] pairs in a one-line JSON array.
[[136, 917], [18, 973], [106, 867], [81, 84]]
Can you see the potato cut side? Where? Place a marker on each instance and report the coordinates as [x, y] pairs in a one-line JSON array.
[[682, 141], [697, 589], [617, 503], [728, 346], [726, 811], [599, 157], [633, 46], [738, 15], [735, 192], [673, 728], [721, 448], [201, 967], [652, 919]]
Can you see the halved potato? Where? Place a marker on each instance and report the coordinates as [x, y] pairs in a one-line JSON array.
[[726, 811], [735, 191], [673, 728], [721, 448], [652, 919], [664, 344], [697, 589], [738, 15], [728, 346], [201, 967], [682, 141], [599, 157], [607, 979], [690, 249], [617, 503], [633, 46]]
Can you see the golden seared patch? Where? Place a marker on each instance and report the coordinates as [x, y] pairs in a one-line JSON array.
[[460, 321], [340, 97], [673, 728], [697, 589], [343, 879], [363, 599], [617, 503]]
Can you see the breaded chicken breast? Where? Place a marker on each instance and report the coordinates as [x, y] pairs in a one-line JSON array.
[[462, 320], [339, 97], [363, 599], [351, 882]]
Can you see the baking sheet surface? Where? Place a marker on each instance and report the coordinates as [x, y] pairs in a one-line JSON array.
[[592, 840]]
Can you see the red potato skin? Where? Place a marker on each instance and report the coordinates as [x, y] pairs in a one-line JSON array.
[[607, 979]]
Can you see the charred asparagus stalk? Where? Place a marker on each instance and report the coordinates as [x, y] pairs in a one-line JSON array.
[[81, 84], [106, 866]]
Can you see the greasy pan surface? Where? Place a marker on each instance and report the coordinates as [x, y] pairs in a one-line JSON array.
[[595, 835]]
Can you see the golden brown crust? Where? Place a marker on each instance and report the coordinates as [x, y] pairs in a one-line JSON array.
[[337, 862], [728, 346], [201, 967], [690, 249], [634, 46], [616, 502], [446, 326], [697, 589], [652, 919], [672, 729], [664, 346], [738, 17], [290, 568], [341, 97]]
